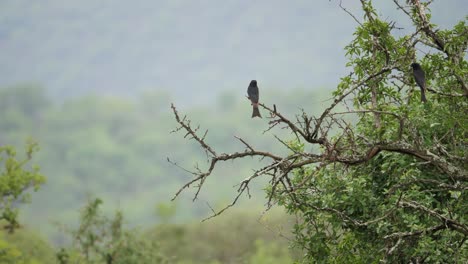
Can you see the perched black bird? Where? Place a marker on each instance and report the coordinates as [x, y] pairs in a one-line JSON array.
[[253, 94], [420, 79]]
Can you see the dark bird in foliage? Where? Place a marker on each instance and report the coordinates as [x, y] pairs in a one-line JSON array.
[[420, 78], [253, 94]]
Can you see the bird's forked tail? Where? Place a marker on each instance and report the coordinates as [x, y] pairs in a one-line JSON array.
[[256, 112]]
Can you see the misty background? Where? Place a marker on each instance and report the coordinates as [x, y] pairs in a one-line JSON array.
[[92, 82], [193, 49]]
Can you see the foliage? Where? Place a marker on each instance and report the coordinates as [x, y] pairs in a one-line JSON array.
[[270, 253], [407, 202], [391, 185], [24, 247], [15, 180], [100, 239], [237, 237]]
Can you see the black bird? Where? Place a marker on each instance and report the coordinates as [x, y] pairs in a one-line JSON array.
[[253, 95], [420, 79]]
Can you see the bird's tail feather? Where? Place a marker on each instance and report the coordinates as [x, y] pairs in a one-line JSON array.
[[423, 96], [256, 112]]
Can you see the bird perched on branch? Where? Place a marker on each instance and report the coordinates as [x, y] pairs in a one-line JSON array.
[[253, 96], [420, 78]]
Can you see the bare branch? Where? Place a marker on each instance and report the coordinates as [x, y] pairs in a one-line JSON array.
[[186, 125], [445, 94], [345, 94], [448, 222], [349, 13], [415, 233]]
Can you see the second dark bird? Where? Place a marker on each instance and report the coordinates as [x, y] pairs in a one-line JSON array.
[[254, 95], [420, 78]]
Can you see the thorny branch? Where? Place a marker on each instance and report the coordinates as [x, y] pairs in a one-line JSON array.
[[280, 167], [215, 158]]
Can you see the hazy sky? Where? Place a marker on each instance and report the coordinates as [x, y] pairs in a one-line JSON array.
[[190, 48]]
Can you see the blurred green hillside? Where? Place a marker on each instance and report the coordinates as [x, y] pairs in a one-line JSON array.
[[239, 236]]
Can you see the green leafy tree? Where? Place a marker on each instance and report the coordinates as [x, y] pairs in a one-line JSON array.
[[100, 239], [385, 179], [15, 180]]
